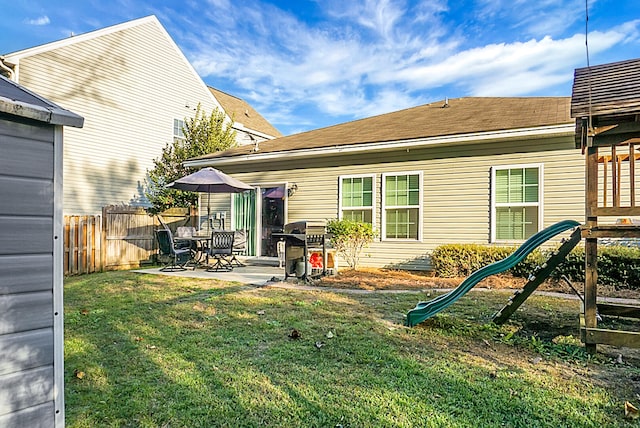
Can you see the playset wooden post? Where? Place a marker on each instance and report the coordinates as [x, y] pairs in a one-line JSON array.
[[606, 105]]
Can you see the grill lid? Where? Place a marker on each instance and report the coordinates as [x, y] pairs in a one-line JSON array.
[[305, 227]]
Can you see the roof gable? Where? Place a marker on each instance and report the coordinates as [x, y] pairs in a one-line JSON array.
[[15, 57], [82, 37], [242, 113]]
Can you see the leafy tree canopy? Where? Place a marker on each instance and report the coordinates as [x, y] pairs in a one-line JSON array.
[[203, 134]]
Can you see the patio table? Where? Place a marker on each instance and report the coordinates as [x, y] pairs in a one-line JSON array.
[[199, 246]]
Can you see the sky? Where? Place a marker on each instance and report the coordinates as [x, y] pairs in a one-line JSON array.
[[307, 64]]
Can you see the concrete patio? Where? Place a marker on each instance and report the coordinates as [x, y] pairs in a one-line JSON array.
[[254, 274]]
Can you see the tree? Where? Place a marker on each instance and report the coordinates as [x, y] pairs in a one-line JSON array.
[[202, 135], [350, 238]]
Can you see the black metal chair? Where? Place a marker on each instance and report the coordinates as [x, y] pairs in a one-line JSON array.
[[221, 250], [174, 259]]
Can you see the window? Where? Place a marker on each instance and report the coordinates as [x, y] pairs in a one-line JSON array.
[[402, 206], [177, 129], [357, 198], [517, 209]]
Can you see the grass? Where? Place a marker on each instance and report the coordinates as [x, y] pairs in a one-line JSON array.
[[155, 351]]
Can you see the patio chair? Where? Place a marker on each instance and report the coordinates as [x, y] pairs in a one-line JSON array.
[[239, 247], [174, 259], [179, 243], [221, 250], [184, 232]]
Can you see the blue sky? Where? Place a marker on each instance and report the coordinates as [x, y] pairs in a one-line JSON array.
[[306, 64]]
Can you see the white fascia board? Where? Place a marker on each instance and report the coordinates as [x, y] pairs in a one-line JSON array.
[[241, 127], [14, 56], [510, 134]]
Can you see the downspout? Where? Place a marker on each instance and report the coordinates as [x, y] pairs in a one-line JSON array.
[[6, 69]]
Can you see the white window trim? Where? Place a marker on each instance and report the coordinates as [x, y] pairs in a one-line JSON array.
[[383, 231], [494, 205], [173, 129], [373, 195]]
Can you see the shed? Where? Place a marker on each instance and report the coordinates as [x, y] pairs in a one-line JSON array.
[[31, 254]]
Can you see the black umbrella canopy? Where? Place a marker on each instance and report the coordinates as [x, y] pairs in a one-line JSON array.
[[209, 180]]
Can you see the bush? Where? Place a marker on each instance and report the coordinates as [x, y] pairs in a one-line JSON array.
[[618, 266], [455, 260], [349, 239]]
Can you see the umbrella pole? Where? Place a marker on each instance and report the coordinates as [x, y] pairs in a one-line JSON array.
[[209, 225]]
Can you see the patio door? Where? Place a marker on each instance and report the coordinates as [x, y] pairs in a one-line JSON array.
[[245, 216], [261, 212], [272, 216]]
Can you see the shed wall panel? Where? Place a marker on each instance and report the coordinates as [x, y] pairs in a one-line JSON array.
[[26, 389], [33, 417], [26, 196], [26, 350], [24, 312], [25, 235], [25, 273], [29, 155]]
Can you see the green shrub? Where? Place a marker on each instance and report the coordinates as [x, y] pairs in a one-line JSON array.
[[349, 238], [455, 260], [618, 266]]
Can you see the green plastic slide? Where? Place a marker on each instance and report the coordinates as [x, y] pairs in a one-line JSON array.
[[425, 310]]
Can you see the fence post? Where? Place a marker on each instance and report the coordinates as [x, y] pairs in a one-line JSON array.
[[103, 240]]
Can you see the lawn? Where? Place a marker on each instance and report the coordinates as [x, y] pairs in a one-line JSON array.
[[154, 351]]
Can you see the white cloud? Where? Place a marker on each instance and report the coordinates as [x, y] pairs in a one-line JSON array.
[[43, 20], [373, 57], [533, 18]]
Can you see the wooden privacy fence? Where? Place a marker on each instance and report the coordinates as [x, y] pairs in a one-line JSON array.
[[82, 243], [122, 238]]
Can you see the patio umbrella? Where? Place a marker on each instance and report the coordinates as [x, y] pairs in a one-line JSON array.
[[209, 180]]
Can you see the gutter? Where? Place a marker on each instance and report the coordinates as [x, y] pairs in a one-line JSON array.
[[7, 67], [510, 134]]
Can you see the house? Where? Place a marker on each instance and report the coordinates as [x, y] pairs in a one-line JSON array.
[[31, 252], [134, 88], [250, 126], [466, 170]]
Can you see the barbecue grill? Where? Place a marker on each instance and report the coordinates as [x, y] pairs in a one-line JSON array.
[[302, 238]]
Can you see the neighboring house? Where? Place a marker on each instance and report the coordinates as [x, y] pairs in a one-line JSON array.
[[467, 170], [250, 126], [134, 87], [31, 254]]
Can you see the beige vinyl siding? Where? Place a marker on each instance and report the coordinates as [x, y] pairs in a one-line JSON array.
[[456, 190], [129, 85]]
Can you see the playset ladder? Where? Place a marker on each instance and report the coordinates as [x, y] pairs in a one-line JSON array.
[[540, 274]]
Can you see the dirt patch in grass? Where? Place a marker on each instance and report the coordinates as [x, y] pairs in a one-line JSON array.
[[388, 279]]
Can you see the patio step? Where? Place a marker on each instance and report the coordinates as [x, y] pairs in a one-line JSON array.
[[258, 260]]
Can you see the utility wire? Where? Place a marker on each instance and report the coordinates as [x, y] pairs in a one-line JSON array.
[[586, 43]]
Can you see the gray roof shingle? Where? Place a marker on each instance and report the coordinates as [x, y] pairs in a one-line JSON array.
[[461, 116]]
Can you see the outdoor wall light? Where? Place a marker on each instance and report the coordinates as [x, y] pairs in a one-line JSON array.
[[292, 189]]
